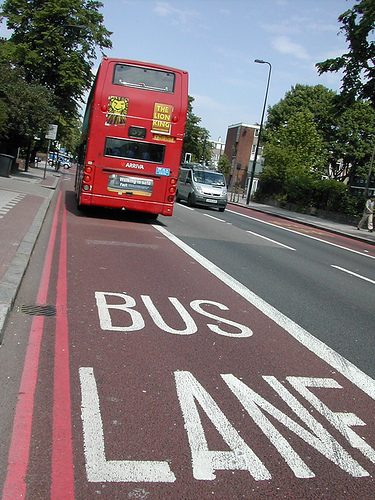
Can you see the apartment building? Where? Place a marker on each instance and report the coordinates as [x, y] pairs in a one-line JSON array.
[[240, 146]]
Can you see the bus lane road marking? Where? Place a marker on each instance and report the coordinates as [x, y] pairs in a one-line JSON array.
[[324, 352], [337, 440]]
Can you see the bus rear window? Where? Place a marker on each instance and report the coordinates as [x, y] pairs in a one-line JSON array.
[[134, 150], [144, 78]]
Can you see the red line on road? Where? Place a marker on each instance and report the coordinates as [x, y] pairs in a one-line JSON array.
[[19, 452], [62, 476]]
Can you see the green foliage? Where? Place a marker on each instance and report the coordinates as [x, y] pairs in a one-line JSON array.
[[3, 115], [317, 99], [305, 138], [353, 141], [357, 64], [305, 193], [54, 43], [27, 107], [224, 165], [346, 135], [196, 138], [295, 151]]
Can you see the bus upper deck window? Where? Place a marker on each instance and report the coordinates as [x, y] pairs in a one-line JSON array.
[[144, 78]]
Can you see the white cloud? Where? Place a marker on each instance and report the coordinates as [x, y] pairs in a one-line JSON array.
[[284, 45], [165, 9]]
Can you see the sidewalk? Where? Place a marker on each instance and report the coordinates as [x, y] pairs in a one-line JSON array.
[[24, 200]]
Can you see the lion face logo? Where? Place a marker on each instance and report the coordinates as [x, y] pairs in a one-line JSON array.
[[117, 110]]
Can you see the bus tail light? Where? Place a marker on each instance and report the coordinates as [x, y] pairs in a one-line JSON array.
[[86, 178], [172, 189], [170, 199], [173, 181], [86, 187]]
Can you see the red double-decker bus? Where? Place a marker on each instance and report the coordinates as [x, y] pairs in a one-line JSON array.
[[132, 136]]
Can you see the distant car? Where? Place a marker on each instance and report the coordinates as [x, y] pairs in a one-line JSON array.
[[65, 164]]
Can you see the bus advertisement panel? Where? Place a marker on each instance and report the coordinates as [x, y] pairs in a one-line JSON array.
[[132, 137]]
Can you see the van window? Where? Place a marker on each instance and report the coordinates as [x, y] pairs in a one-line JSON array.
[[210, 178]]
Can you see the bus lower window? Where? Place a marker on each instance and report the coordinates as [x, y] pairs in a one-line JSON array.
[[134, 150]]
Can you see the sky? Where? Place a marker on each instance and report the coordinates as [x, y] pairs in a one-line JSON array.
[[216, 41]]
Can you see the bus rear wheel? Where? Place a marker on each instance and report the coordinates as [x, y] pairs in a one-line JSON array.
[[80, 207]]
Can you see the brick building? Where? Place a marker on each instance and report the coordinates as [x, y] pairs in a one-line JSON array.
[[240, 148]]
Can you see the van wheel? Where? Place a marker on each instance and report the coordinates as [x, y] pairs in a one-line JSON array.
[[190, 201]]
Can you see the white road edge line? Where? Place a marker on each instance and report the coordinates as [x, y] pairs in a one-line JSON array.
[[324, 352], [272, 241], [353, 274], [302, 234]]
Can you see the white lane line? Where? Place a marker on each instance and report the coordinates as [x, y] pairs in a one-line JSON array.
[[185, 206], [272, 241], [353, 274], [216, 218], [323, 351], [302, 234]]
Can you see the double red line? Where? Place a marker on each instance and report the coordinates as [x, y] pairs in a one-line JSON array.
[[62, 475]]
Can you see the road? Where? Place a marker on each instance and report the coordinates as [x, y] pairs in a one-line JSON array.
[[207, 355], [323, 282]]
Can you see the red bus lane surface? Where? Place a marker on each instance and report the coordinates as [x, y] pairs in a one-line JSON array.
[[169, 379]]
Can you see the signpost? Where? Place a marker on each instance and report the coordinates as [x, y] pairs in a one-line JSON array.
[[51, 135]]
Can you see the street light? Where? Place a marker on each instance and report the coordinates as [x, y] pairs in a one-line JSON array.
[[260, 130], [370, 172]]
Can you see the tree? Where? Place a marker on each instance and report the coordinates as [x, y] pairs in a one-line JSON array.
[[358, 63], [28, 108], [319, 100], [196, 138], [354, 142], [54, 43], [346, 133], [224, 165], [294, 154]]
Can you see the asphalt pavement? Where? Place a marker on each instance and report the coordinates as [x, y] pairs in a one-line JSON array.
[[24, 201]]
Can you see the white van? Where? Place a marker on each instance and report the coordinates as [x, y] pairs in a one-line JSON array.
[[199, 186]]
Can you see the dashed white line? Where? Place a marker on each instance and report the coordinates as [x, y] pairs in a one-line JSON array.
[[353, 274], [272, 241], [302, 234], [216, 218]]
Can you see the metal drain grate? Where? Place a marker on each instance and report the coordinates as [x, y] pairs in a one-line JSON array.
[[35, 310]]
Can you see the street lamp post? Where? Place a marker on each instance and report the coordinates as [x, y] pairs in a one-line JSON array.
[[370, 172], [260, 130]]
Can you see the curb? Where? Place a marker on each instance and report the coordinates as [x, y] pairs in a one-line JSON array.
[[11, 280]]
